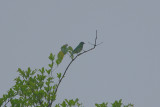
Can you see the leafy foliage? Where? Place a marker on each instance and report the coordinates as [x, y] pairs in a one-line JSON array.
[[101, 105], [69, 103], [38, 87], [114, 104]]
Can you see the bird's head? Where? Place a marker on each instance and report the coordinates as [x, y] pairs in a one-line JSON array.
[[82, 43]]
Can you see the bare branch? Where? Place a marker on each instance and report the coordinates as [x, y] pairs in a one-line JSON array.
[[99, 43], [94, 45], [90, 43]]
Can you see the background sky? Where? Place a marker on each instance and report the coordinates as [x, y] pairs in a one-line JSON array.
[[125, 66]]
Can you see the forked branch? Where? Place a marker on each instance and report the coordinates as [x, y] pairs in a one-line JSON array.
[[94, 46]]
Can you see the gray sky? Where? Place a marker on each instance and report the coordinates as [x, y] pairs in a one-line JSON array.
[[125, 66]]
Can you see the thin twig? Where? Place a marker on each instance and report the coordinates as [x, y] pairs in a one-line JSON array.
[[7, 102], [99, 43], [94, 45], [95, 41]]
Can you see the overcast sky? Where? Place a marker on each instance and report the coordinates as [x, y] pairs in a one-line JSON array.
[[125, 66]]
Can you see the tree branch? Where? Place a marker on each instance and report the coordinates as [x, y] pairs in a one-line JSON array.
[[94, 45]]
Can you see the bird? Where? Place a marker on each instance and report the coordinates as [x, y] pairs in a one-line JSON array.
[[78, 48]]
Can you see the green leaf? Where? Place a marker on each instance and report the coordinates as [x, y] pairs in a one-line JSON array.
[[28, 72], [53, 97], [58, 61], [50, 65], [129, 105], [54, 87], [64, 104], [42, 70], [59, 57], [41, 91], [117, 103], [51, 57], [29, 69], [1, 101], [71, 102], [66, 100], [50, 78], [101, 105], [57, 105], [59, 75], [33, 72], [22, 73], [64, 49], [76, 100], [70, 48], [48, 71], [5, 97], [11, 93], [97, 105], [46, 88]]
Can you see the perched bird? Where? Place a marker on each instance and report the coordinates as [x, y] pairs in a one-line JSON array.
[[78, 48]]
